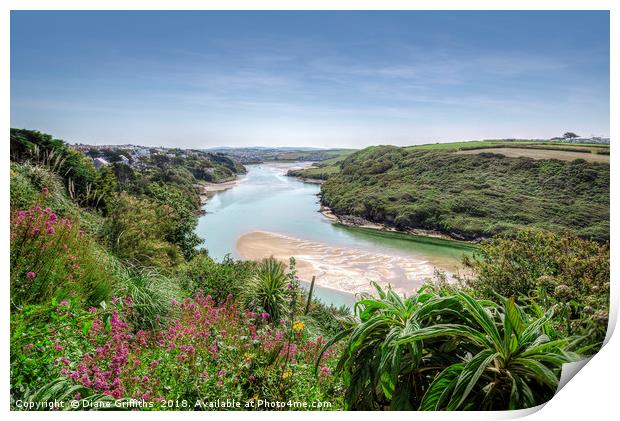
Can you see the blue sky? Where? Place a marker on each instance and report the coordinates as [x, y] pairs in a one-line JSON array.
[[324, 79]]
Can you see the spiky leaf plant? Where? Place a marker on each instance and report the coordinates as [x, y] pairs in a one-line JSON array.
[[266, 290]]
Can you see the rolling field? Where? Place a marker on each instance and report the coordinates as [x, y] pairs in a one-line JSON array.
[[537, 153]]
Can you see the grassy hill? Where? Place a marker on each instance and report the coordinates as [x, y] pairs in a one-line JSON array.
[[468, 195], [528, 148]]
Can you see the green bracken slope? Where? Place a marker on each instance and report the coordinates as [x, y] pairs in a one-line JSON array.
[[470, 196]]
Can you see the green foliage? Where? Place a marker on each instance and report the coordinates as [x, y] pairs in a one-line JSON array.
[[181, 216], [52, 258], [203, 274], [76, 169], [63, 390], [511, 363], [552, 270], [434, 350], [470, 196], [138, 228], [151, 294], [105, 186], [267, 289]]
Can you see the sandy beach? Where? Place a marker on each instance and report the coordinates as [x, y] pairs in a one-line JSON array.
[[344, 269], [212, 187], [209, 189]]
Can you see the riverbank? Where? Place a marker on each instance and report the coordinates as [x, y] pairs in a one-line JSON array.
[[208, 189], [358, 222], [343, 269]]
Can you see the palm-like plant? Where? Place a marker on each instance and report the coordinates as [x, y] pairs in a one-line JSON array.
[[379, 370], [511, 362], [267, 289], [435, 351]]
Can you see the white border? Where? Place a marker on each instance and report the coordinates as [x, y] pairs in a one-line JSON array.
[[591, 394]]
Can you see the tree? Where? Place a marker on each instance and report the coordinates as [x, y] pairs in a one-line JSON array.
[[570, 135]]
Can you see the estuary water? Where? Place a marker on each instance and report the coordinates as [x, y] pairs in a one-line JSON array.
[[268, 213]]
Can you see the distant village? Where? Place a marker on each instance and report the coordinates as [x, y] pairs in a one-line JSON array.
[[131, 155]]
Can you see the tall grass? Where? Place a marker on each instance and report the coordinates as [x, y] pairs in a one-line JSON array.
[[151, 293]]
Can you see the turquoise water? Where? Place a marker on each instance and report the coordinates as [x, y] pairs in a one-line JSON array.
[[266, 199]]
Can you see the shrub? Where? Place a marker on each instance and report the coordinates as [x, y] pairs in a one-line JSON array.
[[267, 289], [552, 270], [137, 230], [203, 274], [52, 257]]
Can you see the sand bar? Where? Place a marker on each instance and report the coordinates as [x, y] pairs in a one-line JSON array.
[[345, 269], [213, 187]]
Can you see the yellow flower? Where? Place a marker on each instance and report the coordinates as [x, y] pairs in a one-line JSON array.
[[287, 374], [298, 326]]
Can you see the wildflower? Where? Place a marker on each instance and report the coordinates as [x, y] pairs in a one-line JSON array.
[[31, 275], [287, 374], [45, 190], [53, 217], [50, 230], [264, 315], [77, 396], [298, 326], [252, 378]]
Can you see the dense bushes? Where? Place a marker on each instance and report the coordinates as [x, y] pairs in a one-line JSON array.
[[470, 196], [138, 228], [218, 279], [560, 271]]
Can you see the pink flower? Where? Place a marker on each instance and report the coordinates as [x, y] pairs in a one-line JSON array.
[[53, 217], [31, 275], [45, 190], [252, 378], [50, 230]]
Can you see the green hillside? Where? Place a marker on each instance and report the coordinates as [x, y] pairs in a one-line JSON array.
[[469, 196]]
